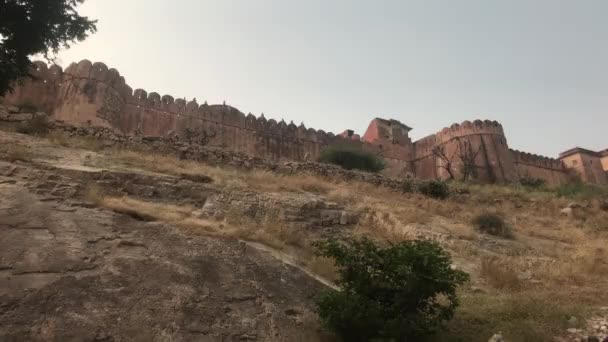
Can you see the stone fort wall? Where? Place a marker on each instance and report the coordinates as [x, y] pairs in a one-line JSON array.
[[530, 165], [92, 94], [484, 139]]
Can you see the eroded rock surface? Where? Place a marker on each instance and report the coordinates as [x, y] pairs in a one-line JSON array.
[[69, 272]]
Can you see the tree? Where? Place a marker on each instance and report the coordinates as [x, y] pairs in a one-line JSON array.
[[467, 157], [349, 158], [439, 152], [403, 292], [465, 154], [30, 27]]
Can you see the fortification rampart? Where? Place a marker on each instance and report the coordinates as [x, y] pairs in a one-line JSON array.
[[530, 165], [471, 149], [40, 91], [91, 94], [537, 160]]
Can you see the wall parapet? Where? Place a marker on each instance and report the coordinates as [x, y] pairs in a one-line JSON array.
[[537, 160], [90, 93], [219, 114], [469, 128]]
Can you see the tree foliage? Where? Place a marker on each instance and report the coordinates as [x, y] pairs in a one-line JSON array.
[[435, 188], [351, 158], [493, 224], [403, 292], [30, 27]]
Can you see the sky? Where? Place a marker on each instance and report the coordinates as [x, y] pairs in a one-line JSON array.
[[539, 67]]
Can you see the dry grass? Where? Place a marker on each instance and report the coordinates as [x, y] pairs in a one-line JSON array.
[[566, 256], [268, 230], [60, 138], [259, 180], [15, 153], [522, 316], [324, 267], [499, 274]]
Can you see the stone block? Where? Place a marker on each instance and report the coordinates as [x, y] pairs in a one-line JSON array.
[[20, 117]]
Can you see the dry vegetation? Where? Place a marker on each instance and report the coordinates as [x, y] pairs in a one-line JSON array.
[[259, 180], [84, 142], [15, 153], [555, 266]]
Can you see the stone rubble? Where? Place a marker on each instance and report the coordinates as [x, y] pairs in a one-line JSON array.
[[595, 329]]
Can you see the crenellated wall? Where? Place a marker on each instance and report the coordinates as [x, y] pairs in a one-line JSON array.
[[40, 91], [534, 166], [89, 93], [483, 141]]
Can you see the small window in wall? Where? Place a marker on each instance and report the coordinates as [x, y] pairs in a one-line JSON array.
[[575, 162]]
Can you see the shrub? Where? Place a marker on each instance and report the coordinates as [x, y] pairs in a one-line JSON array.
[[532, 183], [403, 292], [351, 158], [38, 125], [408, 186], [499, 274], [435, 188], [493, 224]]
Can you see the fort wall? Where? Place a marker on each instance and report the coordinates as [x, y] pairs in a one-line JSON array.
[[480, 144], [530, 165], [40, 91], [585, 164], [91, 94], [604, 159]]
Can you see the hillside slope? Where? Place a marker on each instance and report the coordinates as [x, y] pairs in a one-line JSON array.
[[108, 243]]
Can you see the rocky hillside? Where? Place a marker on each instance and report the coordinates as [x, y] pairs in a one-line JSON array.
[[113, 238]]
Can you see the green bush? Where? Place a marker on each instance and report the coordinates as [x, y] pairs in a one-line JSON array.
[[493, 224], [401, 293], [38, 125], [437, 189], [351, 158], [532, 183], [408, 186]]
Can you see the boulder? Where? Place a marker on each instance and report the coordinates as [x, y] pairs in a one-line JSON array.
[[566, 211], [496, 338], [20, 117]]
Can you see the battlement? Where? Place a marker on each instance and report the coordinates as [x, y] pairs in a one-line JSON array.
[[175, 106], [91, 93], [45, 74], [468, 128], [537, 160]]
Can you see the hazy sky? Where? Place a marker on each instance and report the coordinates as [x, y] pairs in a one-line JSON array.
[[540, 67]]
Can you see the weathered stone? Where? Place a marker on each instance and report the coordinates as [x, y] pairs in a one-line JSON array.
[[496, 338], [20, 117], [344, 218]]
